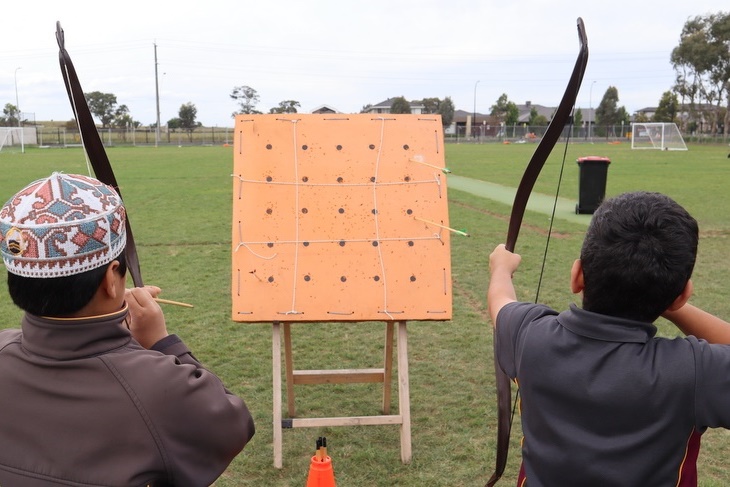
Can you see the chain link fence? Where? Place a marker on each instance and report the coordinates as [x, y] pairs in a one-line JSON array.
[[515, 134], [70, 137], [523, 133]]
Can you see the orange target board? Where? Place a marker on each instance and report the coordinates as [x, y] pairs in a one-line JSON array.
[[340, 218]]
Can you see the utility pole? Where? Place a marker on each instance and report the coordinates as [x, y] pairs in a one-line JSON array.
[[591, 115], [474, 121], [157, 99], [17, 110]]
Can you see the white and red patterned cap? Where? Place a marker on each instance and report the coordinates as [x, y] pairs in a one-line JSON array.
[[62, 225]]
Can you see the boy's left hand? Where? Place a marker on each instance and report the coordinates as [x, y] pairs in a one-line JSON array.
[[502, 260]]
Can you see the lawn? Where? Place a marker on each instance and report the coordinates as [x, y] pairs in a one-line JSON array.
[[179, 203]]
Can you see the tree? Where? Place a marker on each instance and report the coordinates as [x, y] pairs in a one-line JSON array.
[[10, 116], [540, 121], [513, 114], [533, 116], [623, 116], [667, 109], [608, 113], [400, 105], [102, 105], [446, 110], [286, 106], [365, 108], [123, 119], [247, 98], [430, 105], [500, 107], [578, 118], [702, 65], [505, 110], [187, 114], [174, 123]]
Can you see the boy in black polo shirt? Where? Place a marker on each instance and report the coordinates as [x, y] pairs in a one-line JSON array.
[[604, 401]]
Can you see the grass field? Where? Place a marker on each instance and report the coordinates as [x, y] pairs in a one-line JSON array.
[[179, 203]]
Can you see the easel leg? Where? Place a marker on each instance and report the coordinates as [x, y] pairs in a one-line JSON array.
[[276, 359], [404, 393], [289, 371], [388, 366]]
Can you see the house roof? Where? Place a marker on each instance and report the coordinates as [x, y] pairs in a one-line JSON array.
[[525, 110], [389, 103], [324, 109], [461, 115]]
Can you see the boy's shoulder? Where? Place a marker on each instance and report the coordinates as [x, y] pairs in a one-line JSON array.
[[8, 336], [525, 311]]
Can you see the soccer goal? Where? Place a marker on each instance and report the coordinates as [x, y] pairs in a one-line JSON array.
[[11, 136], [656, 135]]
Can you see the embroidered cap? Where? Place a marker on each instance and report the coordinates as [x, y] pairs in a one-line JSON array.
[[62, 225]]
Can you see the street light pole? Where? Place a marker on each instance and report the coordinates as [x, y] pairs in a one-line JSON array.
[[590, 108], [17, 104], [157, 100], [474, 118], [17, 109]]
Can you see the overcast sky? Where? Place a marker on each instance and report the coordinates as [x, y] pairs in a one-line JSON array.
[[341, 53]]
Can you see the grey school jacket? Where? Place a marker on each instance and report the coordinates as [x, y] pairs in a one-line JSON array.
[[83, 404]]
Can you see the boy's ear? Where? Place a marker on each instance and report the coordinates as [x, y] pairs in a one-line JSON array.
[[110, 283], [576, 277], [684, 296]]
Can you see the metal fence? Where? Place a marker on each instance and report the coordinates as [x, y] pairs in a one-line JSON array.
[[69, 137], [65, 137], [522, 133]]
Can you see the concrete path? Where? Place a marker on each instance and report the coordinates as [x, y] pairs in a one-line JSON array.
[[540, 203]]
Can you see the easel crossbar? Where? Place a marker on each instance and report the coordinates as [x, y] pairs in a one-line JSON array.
[[343, 421], [339, 376]]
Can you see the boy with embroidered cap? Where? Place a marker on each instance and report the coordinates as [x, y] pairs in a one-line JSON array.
[[603, 400], [93, 389]]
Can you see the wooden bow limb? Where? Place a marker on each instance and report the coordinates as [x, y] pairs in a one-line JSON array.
[[93, 146], [551, 137]]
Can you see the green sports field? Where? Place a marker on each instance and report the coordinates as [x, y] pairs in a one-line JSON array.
[[179, 204]]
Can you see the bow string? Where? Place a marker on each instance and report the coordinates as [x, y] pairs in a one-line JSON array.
[[93, 146], [561, 117]]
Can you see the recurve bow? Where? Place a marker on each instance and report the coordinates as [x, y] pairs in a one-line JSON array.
[[546, 145]]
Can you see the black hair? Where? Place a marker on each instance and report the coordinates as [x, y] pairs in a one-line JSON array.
[[59, 296], [637, 256]]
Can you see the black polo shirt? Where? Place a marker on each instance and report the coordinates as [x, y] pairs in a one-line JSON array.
[[605, 402]]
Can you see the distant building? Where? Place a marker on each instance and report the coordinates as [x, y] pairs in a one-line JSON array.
[[463, 121], [526, 110], [647, 112], [384, 107], [324, 109]]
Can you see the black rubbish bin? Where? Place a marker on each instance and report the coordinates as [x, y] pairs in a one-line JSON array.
[[592, 183]]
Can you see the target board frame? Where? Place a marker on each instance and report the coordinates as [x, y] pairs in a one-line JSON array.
[[340, 218]]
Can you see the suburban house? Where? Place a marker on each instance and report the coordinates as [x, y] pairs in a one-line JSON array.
[[647, 112], [324, 109], [384, 107]]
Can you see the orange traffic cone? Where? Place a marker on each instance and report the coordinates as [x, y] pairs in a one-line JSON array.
[[320, 468]]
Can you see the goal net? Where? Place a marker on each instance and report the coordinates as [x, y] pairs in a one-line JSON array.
[[656, 135], [11, 137]]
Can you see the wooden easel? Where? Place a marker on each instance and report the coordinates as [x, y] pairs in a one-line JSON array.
[[343, 376]]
